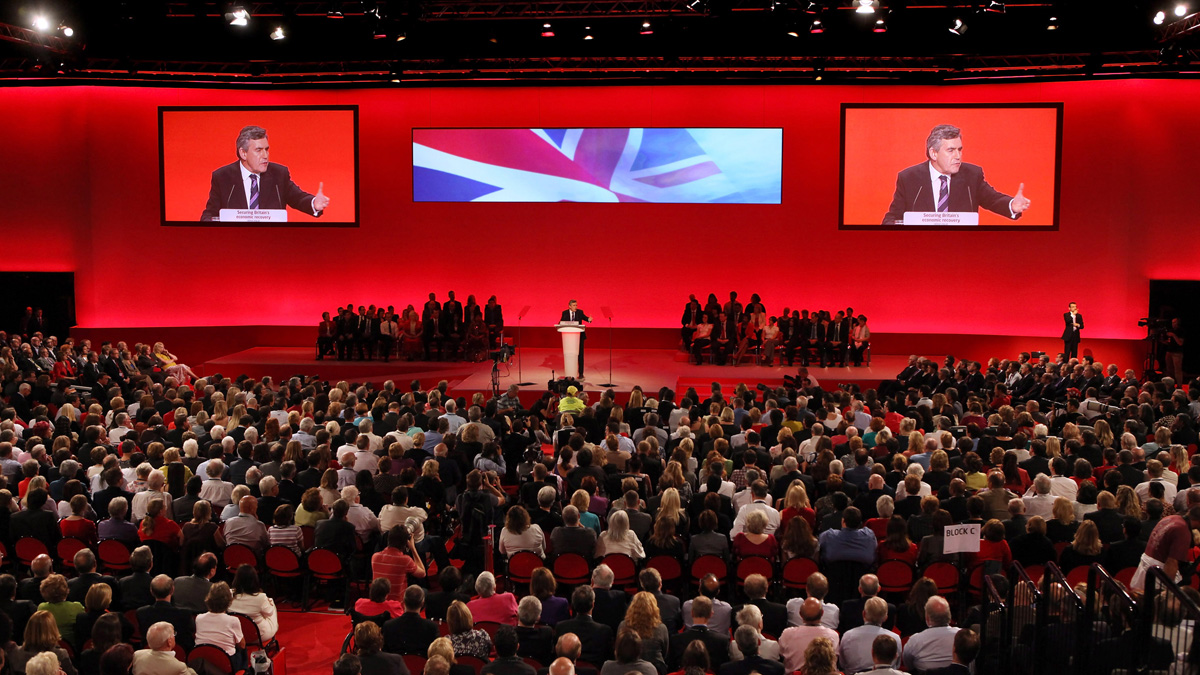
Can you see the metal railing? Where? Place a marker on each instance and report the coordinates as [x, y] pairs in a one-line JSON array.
[[1168, 627]]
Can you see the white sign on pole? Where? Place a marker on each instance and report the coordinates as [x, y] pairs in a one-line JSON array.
[[961, 539]]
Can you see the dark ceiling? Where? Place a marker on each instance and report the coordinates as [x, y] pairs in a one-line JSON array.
[[490, 41]]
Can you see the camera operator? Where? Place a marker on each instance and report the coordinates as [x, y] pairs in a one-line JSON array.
[[1173, 339]]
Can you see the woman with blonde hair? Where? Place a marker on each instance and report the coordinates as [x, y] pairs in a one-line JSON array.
[[618, 538], [464, 637], [643, 619], [581, 500], [670, 507], [1062, 526], [41, 635], [796, 503], [1084, 550], [755, 541], [1053, 447], [1128, 503], [820, 658]]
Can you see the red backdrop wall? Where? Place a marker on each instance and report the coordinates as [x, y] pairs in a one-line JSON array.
[[80, 192]]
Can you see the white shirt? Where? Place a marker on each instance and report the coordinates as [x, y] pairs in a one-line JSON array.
[[1039, 505], [246, 173], [454, 420], [365, 523], [727, 488], [1143, 491], [854, 652], [829, 619], [739, 523], [744, 497], [1061, 486], [936, 181], [767, 649]]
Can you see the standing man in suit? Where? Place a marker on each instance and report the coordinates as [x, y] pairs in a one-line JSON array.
[[253, 182], [944, 183], [453, 307], [1072, 324], [573, 313]]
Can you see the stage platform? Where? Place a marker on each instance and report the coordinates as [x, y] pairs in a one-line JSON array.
[[652, 369]]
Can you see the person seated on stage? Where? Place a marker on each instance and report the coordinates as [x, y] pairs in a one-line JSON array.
[[772, 336], [724, 336], [452, 330], [326, 336], [860, 340], [751, 334], [431, 334], [475, 347], [837, 339], [345, 336], [389, 330], [701, 337], [691, 319], [410, 334]]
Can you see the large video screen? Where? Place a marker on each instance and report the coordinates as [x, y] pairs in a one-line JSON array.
[[262, 166], [690, 166], [962, 166]]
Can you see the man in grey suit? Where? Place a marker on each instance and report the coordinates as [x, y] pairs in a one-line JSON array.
[[190, 592]]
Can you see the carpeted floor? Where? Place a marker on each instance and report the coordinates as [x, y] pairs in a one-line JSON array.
[[312, 640]]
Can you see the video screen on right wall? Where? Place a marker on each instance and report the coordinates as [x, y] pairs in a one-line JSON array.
[[950, 166]]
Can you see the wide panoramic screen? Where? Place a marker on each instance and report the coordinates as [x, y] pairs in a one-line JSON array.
[[294, 166], [691, 166], [950, 166]]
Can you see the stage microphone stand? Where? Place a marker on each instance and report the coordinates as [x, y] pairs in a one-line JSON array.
[[521, 352], [607, 311]]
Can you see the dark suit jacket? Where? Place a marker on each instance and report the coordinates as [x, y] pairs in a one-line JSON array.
[[409, 634], [512, 665], [597, 638], [183, 620], [30, 589], [610, 606], [774, 616], [851, 615], [40, 524], [19, 612], [135, 591], [383, 663], [968, 192], [1068, 332], [580, 316], [952, 669], [275, 191], [536, 643], [717, 644], [669, 611], [753, 664], [79, 586]]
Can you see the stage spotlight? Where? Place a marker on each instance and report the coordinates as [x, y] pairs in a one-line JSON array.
[[67, 31], [647, 29], [547, 31], [1181, 9], [865, 6], [880, 26], [793, 30], [818, 73], [587, 33], [335, 11], [401, 36], [995, 6], [41, 23], [812, 8], [958, 27], [816, 27], [1159, 18], [1052, 24], [278, 33], [240, 16]]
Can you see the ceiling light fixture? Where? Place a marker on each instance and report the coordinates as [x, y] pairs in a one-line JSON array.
[[1181, 9], [994, 6], [1159, 18], [67, 31], [958, 27], [647, 29], [240, 16], [865, 6], [278, 33], [880, 26], [1052, 24], [816, 27], [587, 33], [41, 23], [547, 31]]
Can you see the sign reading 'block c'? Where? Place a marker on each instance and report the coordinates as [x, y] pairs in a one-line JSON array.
[[961, 539]]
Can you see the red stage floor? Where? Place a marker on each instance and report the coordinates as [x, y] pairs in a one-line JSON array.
[[649, 368]]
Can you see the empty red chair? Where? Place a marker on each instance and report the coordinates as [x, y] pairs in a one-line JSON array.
[[416, 663], [521, 566], [236, 555], [212, 655], [572, 569], [113, 555], [474, 662], [29, 548], [67, 548], [754, 565], [797, 571], [668, 568], [623, 567], [896, 576], [1078, 576], [709, 564], [944, 575], [1125, 576]]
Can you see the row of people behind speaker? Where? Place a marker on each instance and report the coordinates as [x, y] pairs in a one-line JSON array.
[[732, 331], [449, 328]]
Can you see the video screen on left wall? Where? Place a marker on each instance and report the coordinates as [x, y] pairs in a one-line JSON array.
[[293, 166]]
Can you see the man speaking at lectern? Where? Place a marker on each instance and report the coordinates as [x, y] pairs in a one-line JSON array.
[[573, 313], [945, 183], [253, 182]]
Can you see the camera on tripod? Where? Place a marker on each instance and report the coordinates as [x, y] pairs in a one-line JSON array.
[[502, 355]]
